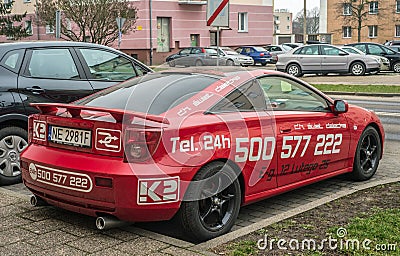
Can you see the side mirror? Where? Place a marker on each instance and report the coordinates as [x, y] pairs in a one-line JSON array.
[[340, 106]]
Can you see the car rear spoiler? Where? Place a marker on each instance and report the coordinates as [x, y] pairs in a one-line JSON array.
[[75, 111]]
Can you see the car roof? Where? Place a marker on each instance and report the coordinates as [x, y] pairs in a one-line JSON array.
[[32, 44]]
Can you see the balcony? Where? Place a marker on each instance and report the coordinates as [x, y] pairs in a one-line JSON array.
[[193, 2], [277, 22]]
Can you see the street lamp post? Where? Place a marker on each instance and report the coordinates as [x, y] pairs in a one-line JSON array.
[[305, 22]]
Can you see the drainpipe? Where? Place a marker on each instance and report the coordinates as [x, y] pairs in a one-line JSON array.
[[37, 20], [151, 30]]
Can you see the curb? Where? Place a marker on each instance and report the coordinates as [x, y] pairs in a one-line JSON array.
[[282, 216]]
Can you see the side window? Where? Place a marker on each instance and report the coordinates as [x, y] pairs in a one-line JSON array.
[[239, 50], [52, 63], [196, 51], [375, 49], [286, 95], [12, 60], [248, 97], [361, 47], [310, 50], [185, 51], [140, 70], [329, 50], [105, 65]]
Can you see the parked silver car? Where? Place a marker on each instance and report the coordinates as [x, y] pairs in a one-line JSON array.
[[276, 50], [324, 59], [384, 62], [233, 58]]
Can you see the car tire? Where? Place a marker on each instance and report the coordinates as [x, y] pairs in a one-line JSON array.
[[367, 156], [171, 63], [203, 214], [198, 63], [264, 64], [396, 67], [230, 62], [357, 69], [294, 70], [13, 140]]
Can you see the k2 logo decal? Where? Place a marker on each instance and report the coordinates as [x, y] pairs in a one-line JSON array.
[[108, 140], [39, 130], [158, 190]]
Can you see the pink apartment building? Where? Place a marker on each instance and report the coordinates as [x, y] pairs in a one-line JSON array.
[[176, 24]]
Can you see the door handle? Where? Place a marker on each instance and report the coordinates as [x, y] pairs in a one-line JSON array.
[[285, 130], [35, 90]]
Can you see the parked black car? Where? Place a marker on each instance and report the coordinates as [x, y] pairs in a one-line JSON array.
[[32, 72], [380, 50], [196, 56]]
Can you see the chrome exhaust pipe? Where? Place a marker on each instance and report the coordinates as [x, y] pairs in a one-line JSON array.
[[37, 201], [108, 222]]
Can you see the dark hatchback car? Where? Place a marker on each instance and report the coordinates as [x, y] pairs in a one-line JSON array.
[[62, 72], [196, 56], [259, 54], [380, 50]]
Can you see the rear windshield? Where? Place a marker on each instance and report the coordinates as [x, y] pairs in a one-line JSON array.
[[259, 49], [152, 94]]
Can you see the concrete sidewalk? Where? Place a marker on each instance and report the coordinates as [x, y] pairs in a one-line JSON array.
[[28, 230]]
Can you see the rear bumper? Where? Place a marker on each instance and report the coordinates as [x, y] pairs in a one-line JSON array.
[[131, 196]]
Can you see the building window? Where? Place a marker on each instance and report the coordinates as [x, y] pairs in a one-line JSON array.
[[397, 6], [372, 31], [347, 9], [49, 29], [28, 27], [346, 32], [397, 31], [288, 27], [276, 17], [288, 18], [373, 7], [243, 22]]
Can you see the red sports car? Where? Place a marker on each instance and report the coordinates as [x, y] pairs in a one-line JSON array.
[[197, 145]]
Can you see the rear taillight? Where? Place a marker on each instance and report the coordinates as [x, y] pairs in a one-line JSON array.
[[261, 54], [203, 50], [141, 144]]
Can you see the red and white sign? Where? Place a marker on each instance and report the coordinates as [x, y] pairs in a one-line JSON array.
[[39, 130], [158, 190], [108, 140], [218, 13]]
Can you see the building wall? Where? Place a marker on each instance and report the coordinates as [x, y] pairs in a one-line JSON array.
[[283, 21], [386, 21], [185, 20], [189, 19]]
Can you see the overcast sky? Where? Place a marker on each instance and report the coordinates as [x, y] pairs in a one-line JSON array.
[[295, 6]]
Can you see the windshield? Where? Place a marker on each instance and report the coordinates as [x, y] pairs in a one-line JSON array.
[[153, 94]]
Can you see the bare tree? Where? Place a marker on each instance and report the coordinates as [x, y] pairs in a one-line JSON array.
[[8, 22], [89, 20], [312, 21], [354, 13]]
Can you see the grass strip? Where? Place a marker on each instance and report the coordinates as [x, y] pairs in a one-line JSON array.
[[370, 88]]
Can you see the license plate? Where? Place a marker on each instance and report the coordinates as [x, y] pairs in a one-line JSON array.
[[60, 178], [70, 136]]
